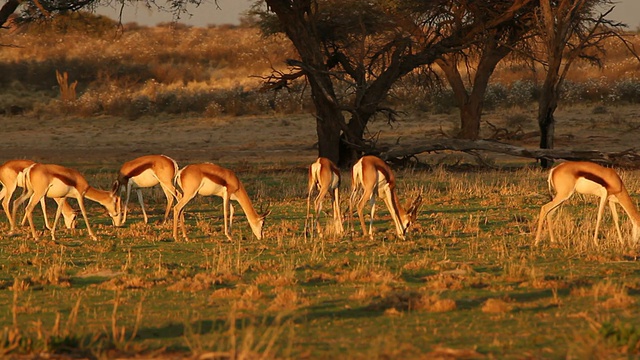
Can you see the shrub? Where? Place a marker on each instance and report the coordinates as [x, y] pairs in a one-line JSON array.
[[517, 120], [442, 100], [627, 90], [596, 89], [572, 92], [522, 93], [79, 22], [495, 95]]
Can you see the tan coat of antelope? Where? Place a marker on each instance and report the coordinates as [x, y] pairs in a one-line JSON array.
[[144, 172], [374, 177], [59, 182], [590, 179], [208, 179], [12, 177], [324, 178]]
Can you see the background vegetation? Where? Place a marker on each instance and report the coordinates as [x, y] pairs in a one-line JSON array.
[[218, 71]]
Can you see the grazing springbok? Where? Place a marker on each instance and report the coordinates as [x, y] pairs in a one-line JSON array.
[[12, 177], [144, 172], [374, 177], [59, 182], [208, 179], [590, 179], [324, 178]]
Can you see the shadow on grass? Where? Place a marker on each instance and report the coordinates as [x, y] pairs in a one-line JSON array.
[[174, 330]]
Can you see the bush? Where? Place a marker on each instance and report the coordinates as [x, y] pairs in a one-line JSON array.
[[522, 93], [572, 92], [596, 89], [626, 90], [442, 100], [77, 22], [495, 96]]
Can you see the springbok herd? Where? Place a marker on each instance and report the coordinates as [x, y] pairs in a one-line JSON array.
[[369, 176]]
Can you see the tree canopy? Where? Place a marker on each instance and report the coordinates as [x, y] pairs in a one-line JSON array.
[[352, 53]]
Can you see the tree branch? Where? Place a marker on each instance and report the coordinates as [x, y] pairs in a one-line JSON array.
[[7, 9], [629, 158]]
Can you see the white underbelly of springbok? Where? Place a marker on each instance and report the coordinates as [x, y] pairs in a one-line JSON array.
[[59, 189], [210, 188], [585, 186], [146, 178]]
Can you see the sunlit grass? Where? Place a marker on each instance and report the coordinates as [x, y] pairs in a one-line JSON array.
[[466, 279]]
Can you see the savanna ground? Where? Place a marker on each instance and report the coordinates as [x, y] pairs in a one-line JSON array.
[[466, 283]]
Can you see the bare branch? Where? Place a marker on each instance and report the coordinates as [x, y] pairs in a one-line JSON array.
[[629, 158], [279, 80], [7, 9]]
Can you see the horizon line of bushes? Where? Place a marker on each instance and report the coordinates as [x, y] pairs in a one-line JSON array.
[[200, 76], [152, 98]]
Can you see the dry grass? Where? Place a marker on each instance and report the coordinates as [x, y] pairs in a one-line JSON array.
[[145, 70], [414, 296], [465, 283], [217, 71], [497, 306]]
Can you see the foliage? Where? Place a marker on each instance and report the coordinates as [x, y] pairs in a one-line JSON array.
[[147, 71], [626, 90], [80, 22]]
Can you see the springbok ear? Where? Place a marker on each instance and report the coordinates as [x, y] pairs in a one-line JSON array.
[[265, 212], [415, 205], [417, 202], [115, 186]]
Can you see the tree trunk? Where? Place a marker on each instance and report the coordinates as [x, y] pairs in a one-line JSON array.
[[328, 130], [470, 114], [546, 122], [547, 105], [471, 103], [7, 9], [349, 153]]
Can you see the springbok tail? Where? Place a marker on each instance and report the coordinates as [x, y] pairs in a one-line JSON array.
[[550, 183], [27, 178], [176, 181]]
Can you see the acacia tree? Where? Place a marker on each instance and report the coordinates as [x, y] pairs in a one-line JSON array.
[[7, 9], [352, 52], [34, 9], [480, 61], [568, 30]]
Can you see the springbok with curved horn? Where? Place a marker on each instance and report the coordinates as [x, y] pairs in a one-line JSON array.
[[59, 182], [324, 177], [208, 179], [588, 178], [148, 171], [12, 177], [374, 177]]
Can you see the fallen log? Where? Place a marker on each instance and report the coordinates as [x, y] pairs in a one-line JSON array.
[[628, 158]]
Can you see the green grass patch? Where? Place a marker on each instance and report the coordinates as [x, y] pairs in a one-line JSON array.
[[466, 282]]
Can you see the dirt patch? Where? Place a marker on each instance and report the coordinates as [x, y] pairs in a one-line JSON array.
[[273, 138], [107, 140]]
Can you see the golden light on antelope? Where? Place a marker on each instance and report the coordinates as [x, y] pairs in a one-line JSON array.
[[324, 178], [374, 177], [590, 179]]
